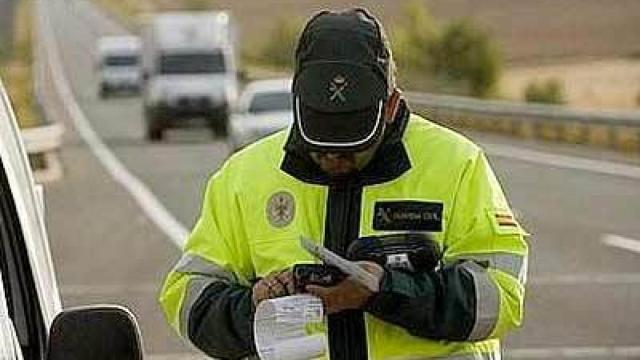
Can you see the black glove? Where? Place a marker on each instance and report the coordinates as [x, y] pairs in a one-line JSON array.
[[315, 274]]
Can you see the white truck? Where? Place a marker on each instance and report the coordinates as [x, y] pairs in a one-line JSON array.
[[189, 71], [118, 63]]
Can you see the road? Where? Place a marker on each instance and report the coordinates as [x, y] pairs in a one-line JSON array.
[[584, 276]]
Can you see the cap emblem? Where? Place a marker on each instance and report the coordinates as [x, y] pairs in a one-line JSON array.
[[337, 87]]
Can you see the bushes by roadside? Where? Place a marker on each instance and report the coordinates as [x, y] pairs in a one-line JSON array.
[[550, 91], [464, 53], [457, 57], [15, 67]]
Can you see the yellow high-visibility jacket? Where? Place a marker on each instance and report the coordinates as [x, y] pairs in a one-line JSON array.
[[424, 178]]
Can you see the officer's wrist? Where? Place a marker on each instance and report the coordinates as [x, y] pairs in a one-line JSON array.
[[381, 301]]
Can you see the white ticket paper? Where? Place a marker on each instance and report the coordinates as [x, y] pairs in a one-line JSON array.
[[279, 328]]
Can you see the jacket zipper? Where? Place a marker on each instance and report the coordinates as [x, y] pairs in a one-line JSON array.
[[346, 330]]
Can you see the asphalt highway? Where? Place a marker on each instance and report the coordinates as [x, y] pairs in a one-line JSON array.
[[583, 298]]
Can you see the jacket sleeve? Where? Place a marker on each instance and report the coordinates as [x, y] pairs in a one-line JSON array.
[[478, 293], [207, 296]]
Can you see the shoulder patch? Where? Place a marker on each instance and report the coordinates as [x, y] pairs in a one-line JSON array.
[[504, 222], [281, 209]]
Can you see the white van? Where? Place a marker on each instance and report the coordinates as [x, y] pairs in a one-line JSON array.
[[118, 62], [189, 70], [33, 324]]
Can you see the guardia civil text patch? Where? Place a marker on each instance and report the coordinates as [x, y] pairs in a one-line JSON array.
[[408, 215]]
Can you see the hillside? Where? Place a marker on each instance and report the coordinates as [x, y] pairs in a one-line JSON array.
[[530, 31]]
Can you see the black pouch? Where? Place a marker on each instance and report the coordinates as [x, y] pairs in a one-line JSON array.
[[408, 251], [315, 274]]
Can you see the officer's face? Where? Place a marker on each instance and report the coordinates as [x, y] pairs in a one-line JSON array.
[[343, 163]]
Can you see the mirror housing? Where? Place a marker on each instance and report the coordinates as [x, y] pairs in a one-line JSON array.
[[101, 332]]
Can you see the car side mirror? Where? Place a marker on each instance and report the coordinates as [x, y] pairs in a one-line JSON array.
[[102, 332]]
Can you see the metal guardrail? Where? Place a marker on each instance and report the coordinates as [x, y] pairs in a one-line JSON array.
[[516, 109], [619, 130], [42, 139], [43, 143]]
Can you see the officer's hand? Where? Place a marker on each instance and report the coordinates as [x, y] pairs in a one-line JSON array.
[[272, 286], [348, 294]]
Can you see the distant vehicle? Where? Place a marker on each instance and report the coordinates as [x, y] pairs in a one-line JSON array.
[[264, 107], [189, 70], [118, 60], [33, 325]]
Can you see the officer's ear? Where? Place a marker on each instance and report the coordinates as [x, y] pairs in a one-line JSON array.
[[392, 106]]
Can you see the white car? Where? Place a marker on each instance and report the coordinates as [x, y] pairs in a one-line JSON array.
[[264, 107], [33, 324], [118, 60]]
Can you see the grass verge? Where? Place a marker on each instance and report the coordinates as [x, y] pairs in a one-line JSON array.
[[16, 70]]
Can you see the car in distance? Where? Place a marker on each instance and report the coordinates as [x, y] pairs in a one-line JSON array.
[[118, 63], [264, 107], [33, 323]]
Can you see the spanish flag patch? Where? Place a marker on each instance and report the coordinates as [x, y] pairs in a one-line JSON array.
[[504, 222], [505, 219]]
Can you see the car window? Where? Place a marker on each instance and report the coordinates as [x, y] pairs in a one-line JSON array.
[[120, 60], [271, 101], [192, 63], [9, 346], [17, 278]]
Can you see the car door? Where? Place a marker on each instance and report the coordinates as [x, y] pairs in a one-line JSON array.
[[30, 298], [9, 344], [22, 312], [30, 307]]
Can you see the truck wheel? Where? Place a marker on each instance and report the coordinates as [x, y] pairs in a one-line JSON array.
[[103, 93], [155, 134], [155, 127], [219, 123]]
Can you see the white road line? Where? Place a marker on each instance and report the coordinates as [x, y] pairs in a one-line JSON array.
[[149, 203], [586, 279], [579, 352], [563, 161], [621, 242]]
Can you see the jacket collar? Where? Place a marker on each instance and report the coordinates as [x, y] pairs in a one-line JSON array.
[[390, 161]]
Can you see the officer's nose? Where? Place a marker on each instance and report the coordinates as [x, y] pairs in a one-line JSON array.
[[335, 156]]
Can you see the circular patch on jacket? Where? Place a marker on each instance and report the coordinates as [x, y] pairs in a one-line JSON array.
[[281, 208]]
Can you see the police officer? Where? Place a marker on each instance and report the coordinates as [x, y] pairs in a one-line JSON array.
[[355, 163]]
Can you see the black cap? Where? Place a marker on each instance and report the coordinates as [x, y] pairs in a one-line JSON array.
[[340, 84]]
